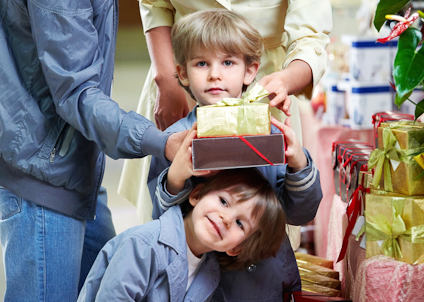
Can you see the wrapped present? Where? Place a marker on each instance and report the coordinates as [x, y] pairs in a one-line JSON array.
[[314, 288], [355, 162], [321, 280], [314, 259], [395, 226], [388, 116], [340, 152], [396, 170], [237, 152], [235, 117], [307, 268]]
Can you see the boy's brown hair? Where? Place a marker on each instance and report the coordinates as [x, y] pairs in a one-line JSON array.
[[216, 30], [266, 240]]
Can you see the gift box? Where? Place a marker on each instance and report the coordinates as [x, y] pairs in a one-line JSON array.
[[307, 268], [235, 117], [314, 259], [321, 280], [396, 170], [388, 116], [314, 288], [395, 226], [237, 152], [355, 164], [304, 296], [340, 151], [364, 99]]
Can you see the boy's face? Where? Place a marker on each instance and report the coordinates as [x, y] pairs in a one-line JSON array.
[[213, 76], [219, 222]]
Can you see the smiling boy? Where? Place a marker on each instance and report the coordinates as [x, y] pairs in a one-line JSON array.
[[217, 54]]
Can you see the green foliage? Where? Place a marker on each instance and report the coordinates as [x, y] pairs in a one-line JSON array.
[[387, 7]]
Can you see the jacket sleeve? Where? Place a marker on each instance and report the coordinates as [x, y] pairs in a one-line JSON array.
[[156, 13], [74, 67], [123, 271], [300, 192], [307, 25], [162, 200]]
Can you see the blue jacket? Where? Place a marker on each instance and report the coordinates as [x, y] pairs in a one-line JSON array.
[[56, 115], [300, 194], [149, 263]]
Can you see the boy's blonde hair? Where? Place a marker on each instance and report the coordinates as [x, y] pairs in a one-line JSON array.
[[266, 240], [215, 30]]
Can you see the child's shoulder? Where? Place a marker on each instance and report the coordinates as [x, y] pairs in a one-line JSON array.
[[183, 124]]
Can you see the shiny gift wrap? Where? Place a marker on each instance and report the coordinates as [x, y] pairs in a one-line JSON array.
[[318, 289], [235, 117], [307, 268], [395, 226], [320, 280], [396, 169], [314, 259]]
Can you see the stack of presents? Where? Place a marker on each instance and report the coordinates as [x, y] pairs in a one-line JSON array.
[[383, 187], [237, 133]]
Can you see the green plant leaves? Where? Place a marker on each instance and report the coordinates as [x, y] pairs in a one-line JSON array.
[[387, 7], [408, 69], [400, 100], [419, 109]]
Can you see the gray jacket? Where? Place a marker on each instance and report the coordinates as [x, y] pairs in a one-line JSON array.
[[56, 116]]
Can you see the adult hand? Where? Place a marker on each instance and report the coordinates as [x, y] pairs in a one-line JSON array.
[[173, 144], [171, 104], [296, 159], [278, 92]]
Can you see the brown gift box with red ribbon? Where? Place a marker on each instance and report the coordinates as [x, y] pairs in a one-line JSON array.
[[343, 153], [215, 153]]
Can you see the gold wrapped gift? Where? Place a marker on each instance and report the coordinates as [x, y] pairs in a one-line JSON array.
[[318, 289], [235, 117], [395, 226], [396, 169], [321, 280], [314, 259], [307, 268]]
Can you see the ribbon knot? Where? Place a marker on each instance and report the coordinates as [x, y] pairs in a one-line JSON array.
[[378, 227], [253, 95]]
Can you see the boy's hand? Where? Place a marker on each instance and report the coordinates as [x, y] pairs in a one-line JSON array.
[[181, 168], [296, 159], [278, 93]]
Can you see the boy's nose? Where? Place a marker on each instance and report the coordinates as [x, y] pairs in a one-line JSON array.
[[214, 74], [226, 220]]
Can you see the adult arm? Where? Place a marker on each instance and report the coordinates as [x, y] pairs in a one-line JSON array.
[[79, 80], [171, 104]]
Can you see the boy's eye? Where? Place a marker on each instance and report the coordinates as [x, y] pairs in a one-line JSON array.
[[223, 201], [228, 63], [201, 64], [239, 224]]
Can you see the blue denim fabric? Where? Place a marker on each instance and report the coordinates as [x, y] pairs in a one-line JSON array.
[[42, 250]]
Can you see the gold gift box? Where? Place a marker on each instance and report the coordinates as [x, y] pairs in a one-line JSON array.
[[307, 268], [245, 119], [397, 223], [318, 289], [314, 259], [321, 280], [409, 136]]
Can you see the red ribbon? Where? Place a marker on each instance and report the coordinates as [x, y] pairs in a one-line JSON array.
[[256, 150]]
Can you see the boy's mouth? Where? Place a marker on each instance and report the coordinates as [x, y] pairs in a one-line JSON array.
[[215, 227], [215, 90]]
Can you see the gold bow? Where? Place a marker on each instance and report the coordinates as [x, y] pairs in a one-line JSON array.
[[253, 95], [378, 227]]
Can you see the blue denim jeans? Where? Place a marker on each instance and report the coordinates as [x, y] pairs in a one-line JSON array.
[[43, 249]]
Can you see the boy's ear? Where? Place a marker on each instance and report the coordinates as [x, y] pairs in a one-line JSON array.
[[234, 252], [251, 72], [194, 195], [182, 75]]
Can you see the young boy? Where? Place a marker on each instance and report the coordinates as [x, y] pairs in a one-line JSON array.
[[217, 55], [235, 212]]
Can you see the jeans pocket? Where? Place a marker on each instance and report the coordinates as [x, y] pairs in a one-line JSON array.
[[10, 204]]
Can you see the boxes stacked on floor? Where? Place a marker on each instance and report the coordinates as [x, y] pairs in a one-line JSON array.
[[236, 133], [386, 215], [317, 275], [395, 209]]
